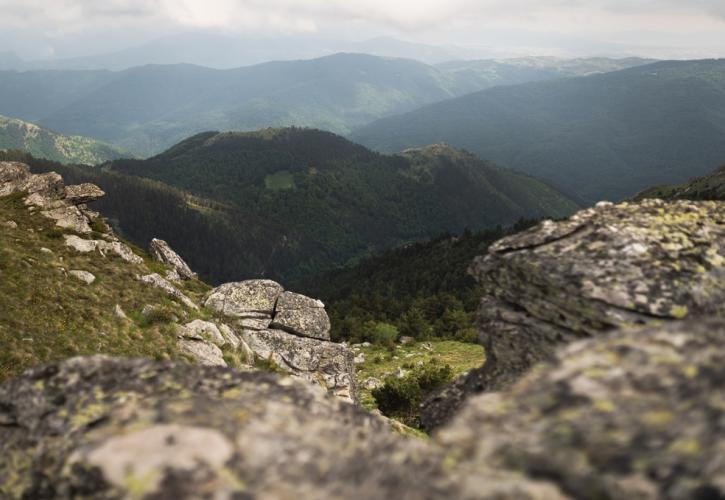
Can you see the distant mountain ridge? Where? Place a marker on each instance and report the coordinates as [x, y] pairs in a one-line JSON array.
[[604, 136], [318, 201], [43, 143], [148, 109], [707, 187]]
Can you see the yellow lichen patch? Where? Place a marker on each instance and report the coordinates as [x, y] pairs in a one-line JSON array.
[[690, 371], [604, 405], [231, 393], [685, 447], [88, 414], [679, 312], [658, 418], [141, 485]]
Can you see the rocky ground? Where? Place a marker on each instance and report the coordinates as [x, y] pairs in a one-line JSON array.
[[605, 356]]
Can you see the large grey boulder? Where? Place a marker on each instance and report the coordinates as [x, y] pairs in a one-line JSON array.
[[607, 267], [162, 252], [633, 414], [245, 299], [110, 428], [328, 364], [83, 193], [301, 315]]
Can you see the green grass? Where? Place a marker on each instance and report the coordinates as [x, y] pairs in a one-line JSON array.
[[47, 315], [280, 181], [380, 362]]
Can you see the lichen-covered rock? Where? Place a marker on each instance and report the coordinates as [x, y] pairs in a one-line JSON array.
[[632, 414], [83, 193], [607, 267], [69, 217], [301, 315], [204, 330], [85, 246], [245, 299], [201, 351], [162, 252], [84, 276], [157, 281], [108, 428], [326, 363]]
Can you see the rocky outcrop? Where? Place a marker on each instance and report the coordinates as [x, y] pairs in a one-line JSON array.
[[157, 281], [83, 193], [108, 428], [326, 363], [302, 316], [162, 252], [607, 267], [84, 276], [635, 414], [103, 247], [288, 329], [630, 414]]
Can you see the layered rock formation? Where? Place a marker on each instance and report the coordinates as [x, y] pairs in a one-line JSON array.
[[607, 267], [634, 414], [162, 252], [288, 329]]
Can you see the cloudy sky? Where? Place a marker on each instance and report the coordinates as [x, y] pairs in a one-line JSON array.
[[660, 28]]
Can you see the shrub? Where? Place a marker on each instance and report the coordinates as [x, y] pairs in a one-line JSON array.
[[383, 334], [401, 397]]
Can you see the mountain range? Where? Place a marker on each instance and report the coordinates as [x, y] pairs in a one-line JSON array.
[[290, 203], [149, 108], [603, 136], [43, 143]]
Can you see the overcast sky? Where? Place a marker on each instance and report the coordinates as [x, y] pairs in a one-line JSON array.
[[660, 28]]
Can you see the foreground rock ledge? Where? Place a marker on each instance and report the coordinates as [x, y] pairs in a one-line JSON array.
[[608, 267], [110, 428]]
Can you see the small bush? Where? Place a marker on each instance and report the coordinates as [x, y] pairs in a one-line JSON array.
[[401, 397], [383, 334]]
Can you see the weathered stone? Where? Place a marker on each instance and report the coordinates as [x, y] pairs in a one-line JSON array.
[[83, 276], [255, 324], [159, 282], [11, 224], [202, 351], [12, 175], [85, 246], [372, 383], [69, 217], [632, 414], [204, 330], [301, 315], [162, 252], [119, 312], [607, 267], [229, 336], [107, 428], [83, 193], [326, 363], [246, 299]]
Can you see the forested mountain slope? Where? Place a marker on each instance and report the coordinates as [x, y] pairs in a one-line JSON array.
[[707, 187], [44, 143], [604, 136], [331, 200]]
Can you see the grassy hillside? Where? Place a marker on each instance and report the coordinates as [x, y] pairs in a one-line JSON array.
[[599, 137], [149, 108], [328, 201], [46, 314], [43, 143], [707, 187]]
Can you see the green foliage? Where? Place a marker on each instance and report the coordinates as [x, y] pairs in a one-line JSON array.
[[401, 397], [600, 137], [43, 143], [280, 181], [423, 289], [383, 334], [708, 187]]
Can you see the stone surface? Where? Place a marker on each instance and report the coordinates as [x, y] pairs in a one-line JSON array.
[[246, 299], [85, 246], [202, 352], [83, 193], [156, 280], [633, 414], [69, 217], [83, 276], [107, 428], [326, 363], [302, 316], [11, 224], [162, 252], [607, 267], [204, 330]]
